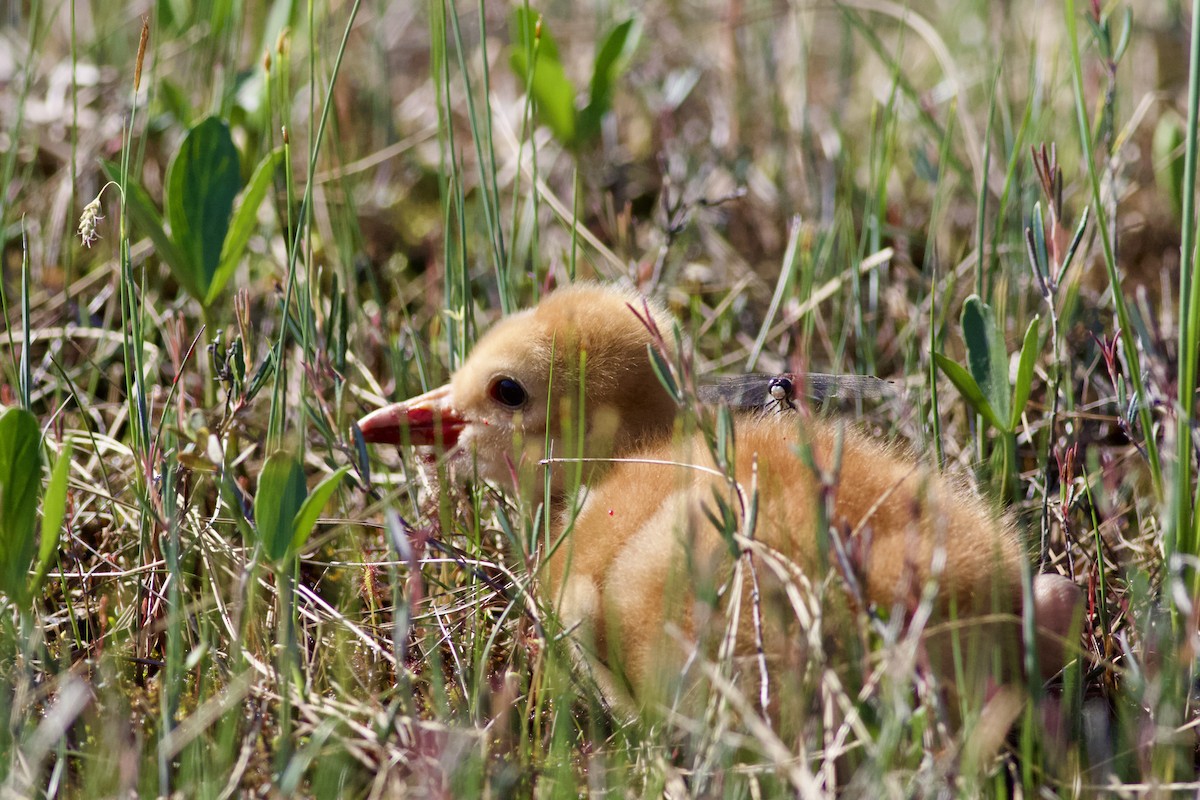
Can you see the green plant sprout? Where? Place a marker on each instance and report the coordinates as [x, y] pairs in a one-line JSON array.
[[285, 513], [21, 547], [986, 386], [536, 61], [203, 237]]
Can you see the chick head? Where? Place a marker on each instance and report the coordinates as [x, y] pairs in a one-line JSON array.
[[572, 378]]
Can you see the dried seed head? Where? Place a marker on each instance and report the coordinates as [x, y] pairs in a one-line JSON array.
[[141, 55], [88, 220], [91, 215]]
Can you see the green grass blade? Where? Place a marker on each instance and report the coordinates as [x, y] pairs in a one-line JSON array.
[[1187, 522]]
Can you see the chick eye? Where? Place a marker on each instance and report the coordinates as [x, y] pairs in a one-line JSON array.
[[507, 392]]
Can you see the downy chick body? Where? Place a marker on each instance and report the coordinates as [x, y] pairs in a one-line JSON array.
[[640, 555]]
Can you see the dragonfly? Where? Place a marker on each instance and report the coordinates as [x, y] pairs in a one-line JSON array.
[[779, 391]]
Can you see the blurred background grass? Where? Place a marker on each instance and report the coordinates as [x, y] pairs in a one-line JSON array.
[[807, 185]]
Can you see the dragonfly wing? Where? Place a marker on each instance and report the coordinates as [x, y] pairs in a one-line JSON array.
[[759, 390]]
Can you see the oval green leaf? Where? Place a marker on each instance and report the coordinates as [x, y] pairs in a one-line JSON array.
[[202, 182], [306, 518], [281, 495], [612, 58], [986, 355], [54, 509], [1029, 348], [20, 482]]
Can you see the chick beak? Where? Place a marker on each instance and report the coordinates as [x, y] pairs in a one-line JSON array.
[[430, 419]]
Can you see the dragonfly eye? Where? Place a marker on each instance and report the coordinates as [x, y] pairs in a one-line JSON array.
[[781, 389]]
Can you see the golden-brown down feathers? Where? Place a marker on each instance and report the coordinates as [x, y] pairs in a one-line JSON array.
[[641, 549], [643, 529]]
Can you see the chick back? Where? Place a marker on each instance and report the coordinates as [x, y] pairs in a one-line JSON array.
[[648, 553]]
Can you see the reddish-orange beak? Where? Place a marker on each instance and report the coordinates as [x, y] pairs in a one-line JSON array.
[[429, 419]]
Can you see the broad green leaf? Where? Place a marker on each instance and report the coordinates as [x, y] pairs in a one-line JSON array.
[[281, 495], [1029, 348], [552, 90], [244, 222], [202, 182], [306, 519], [967, 387], [54, 508], [146, 220], [20, 481], [986, 355], [611, 60]]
